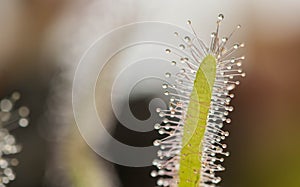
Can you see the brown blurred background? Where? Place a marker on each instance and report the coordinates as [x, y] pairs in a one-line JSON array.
[[41, 43]]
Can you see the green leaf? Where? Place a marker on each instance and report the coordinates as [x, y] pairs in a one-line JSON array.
[[195, 124]]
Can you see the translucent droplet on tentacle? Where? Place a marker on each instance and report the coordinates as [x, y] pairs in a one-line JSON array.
[[236, 46], [187, 39], [165, 86], [224, 39], [230, 87], [220, 17], [157, 126], [154, 173], [23, 122], [23, 111], [16, 96], [181, 46], [156, 142], [213, 35], [6, 105]]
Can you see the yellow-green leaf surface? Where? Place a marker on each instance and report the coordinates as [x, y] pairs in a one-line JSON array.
[[195, 123]]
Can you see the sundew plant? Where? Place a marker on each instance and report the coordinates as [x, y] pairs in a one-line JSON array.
[[192, 151], [11, 117]]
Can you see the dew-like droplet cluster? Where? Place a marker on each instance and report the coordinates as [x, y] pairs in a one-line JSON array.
[[11, 117], [174, 119]]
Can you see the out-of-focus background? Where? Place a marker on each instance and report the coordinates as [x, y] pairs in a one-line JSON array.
[[41, 43]]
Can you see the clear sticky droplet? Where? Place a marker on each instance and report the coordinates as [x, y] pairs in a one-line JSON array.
[[9, 139], [230, 87], [157, 126], [11, 177], [164, 86], [5, 180], [6, 105], [187, 39], [7, 171], [230, 108], [3, 163], [182, 60], [156, 142], [14, 162], [220, 17], [224, 39], [165, 120], [182, 71], [23, 122], [161, 131], [181, 46], [16, 96], [228, 99], [24, 111], [236, 46], [154, 173]]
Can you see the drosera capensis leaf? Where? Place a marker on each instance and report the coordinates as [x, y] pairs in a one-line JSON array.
[[192, 151], [195, 124]]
